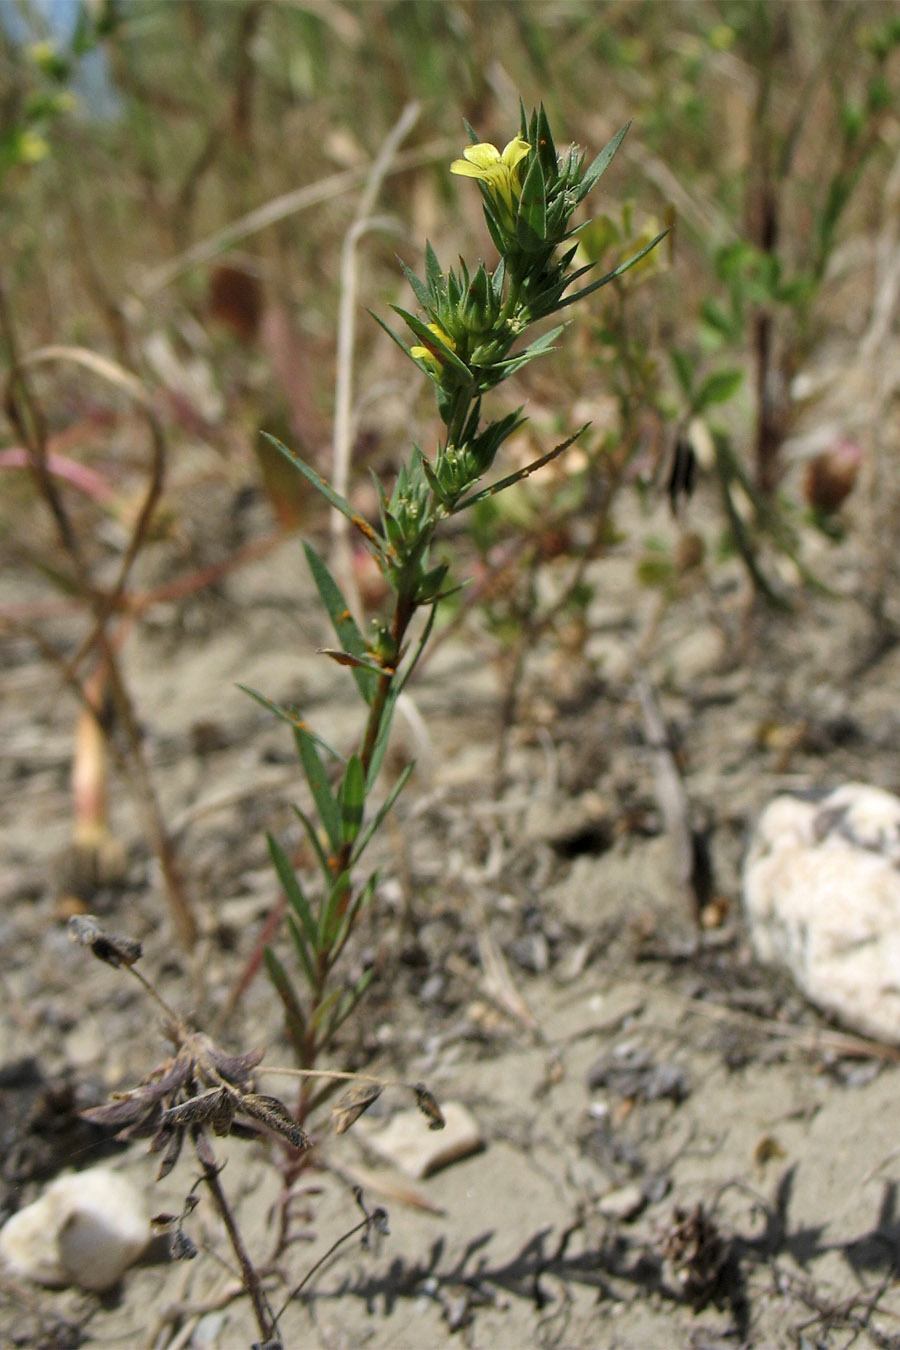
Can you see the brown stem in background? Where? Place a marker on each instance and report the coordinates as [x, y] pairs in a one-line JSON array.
[[25, 413]]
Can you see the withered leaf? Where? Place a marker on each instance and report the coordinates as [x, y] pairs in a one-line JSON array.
[[274, 1115], [172, 1153], [429, 1107], [235, 1068], [122, 1109], [182, 1248], [353, 1104], [204, 1152], [115, 950], [222, 1117], [196, 1110]]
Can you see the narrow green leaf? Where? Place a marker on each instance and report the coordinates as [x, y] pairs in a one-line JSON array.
[[319, 786], [294, 1020], [683, 365], [434, 277], [350, 999], [531, 221], [431, 339], [294, 720], [519, 474], [360, 902], [404, 347], [292, 888], [419, 289], [320, 1017], [348, 634], [375, 823], [332, 910], [718, 387], [616, 272], [333, 498], [301, 946], [597, 168], [313, 835], [353, 799]]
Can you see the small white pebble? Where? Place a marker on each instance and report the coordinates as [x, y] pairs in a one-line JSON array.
[[86, 1229]]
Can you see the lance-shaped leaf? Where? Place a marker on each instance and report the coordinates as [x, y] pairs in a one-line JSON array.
[[597, 168], [348, 634], [531, 221], [294, 1020], [332, 910], [319, 786], [331, 496], [302, 948], [520, 473], [292, 888], [360, 901], [420, 290], [313, 836], [434, 343], [433, 275], [718, 387], [375, 823], [537, 348], [611, 276], [348, 1001], [294, 720], [353, 799]]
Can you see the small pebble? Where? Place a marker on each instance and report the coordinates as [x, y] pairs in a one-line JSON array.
[[86, 1229], [408, 1143], [624, 1203]]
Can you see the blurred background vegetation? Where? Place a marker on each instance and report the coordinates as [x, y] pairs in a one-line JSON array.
[[177, 181]]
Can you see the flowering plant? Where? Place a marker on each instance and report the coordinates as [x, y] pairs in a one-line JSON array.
[[465, 340]]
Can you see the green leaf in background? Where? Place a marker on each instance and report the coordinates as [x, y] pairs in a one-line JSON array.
[[684, 367], [718, 387]]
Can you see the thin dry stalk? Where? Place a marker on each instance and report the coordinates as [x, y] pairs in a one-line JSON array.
[[26, 414], [342, 445]]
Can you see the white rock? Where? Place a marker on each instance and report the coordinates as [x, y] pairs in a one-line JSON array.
[[821, 888], [86, 1229], [624, 1203], [408, 1143]]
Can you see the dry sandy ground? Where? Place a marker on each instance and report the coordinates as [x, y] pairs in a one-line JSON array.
[[677, 1151]]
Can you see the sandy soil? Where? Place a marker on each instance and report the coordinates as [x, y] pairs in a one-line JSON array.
[[678, 1152]]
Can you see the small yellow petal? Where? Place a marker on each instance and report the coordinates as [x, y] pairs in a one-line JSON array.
[[484, 155], [514, 152], [467, 170]]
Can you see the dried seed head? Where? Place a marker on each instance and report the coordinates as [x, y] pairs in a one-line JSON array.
[[274, 1115], [115, 950], [429, 1107], [353, 1104], [182, 1248]]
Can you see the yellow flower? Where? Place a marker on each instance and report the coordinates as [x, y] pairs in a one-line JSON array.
[[497, 170], [431, 355]]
